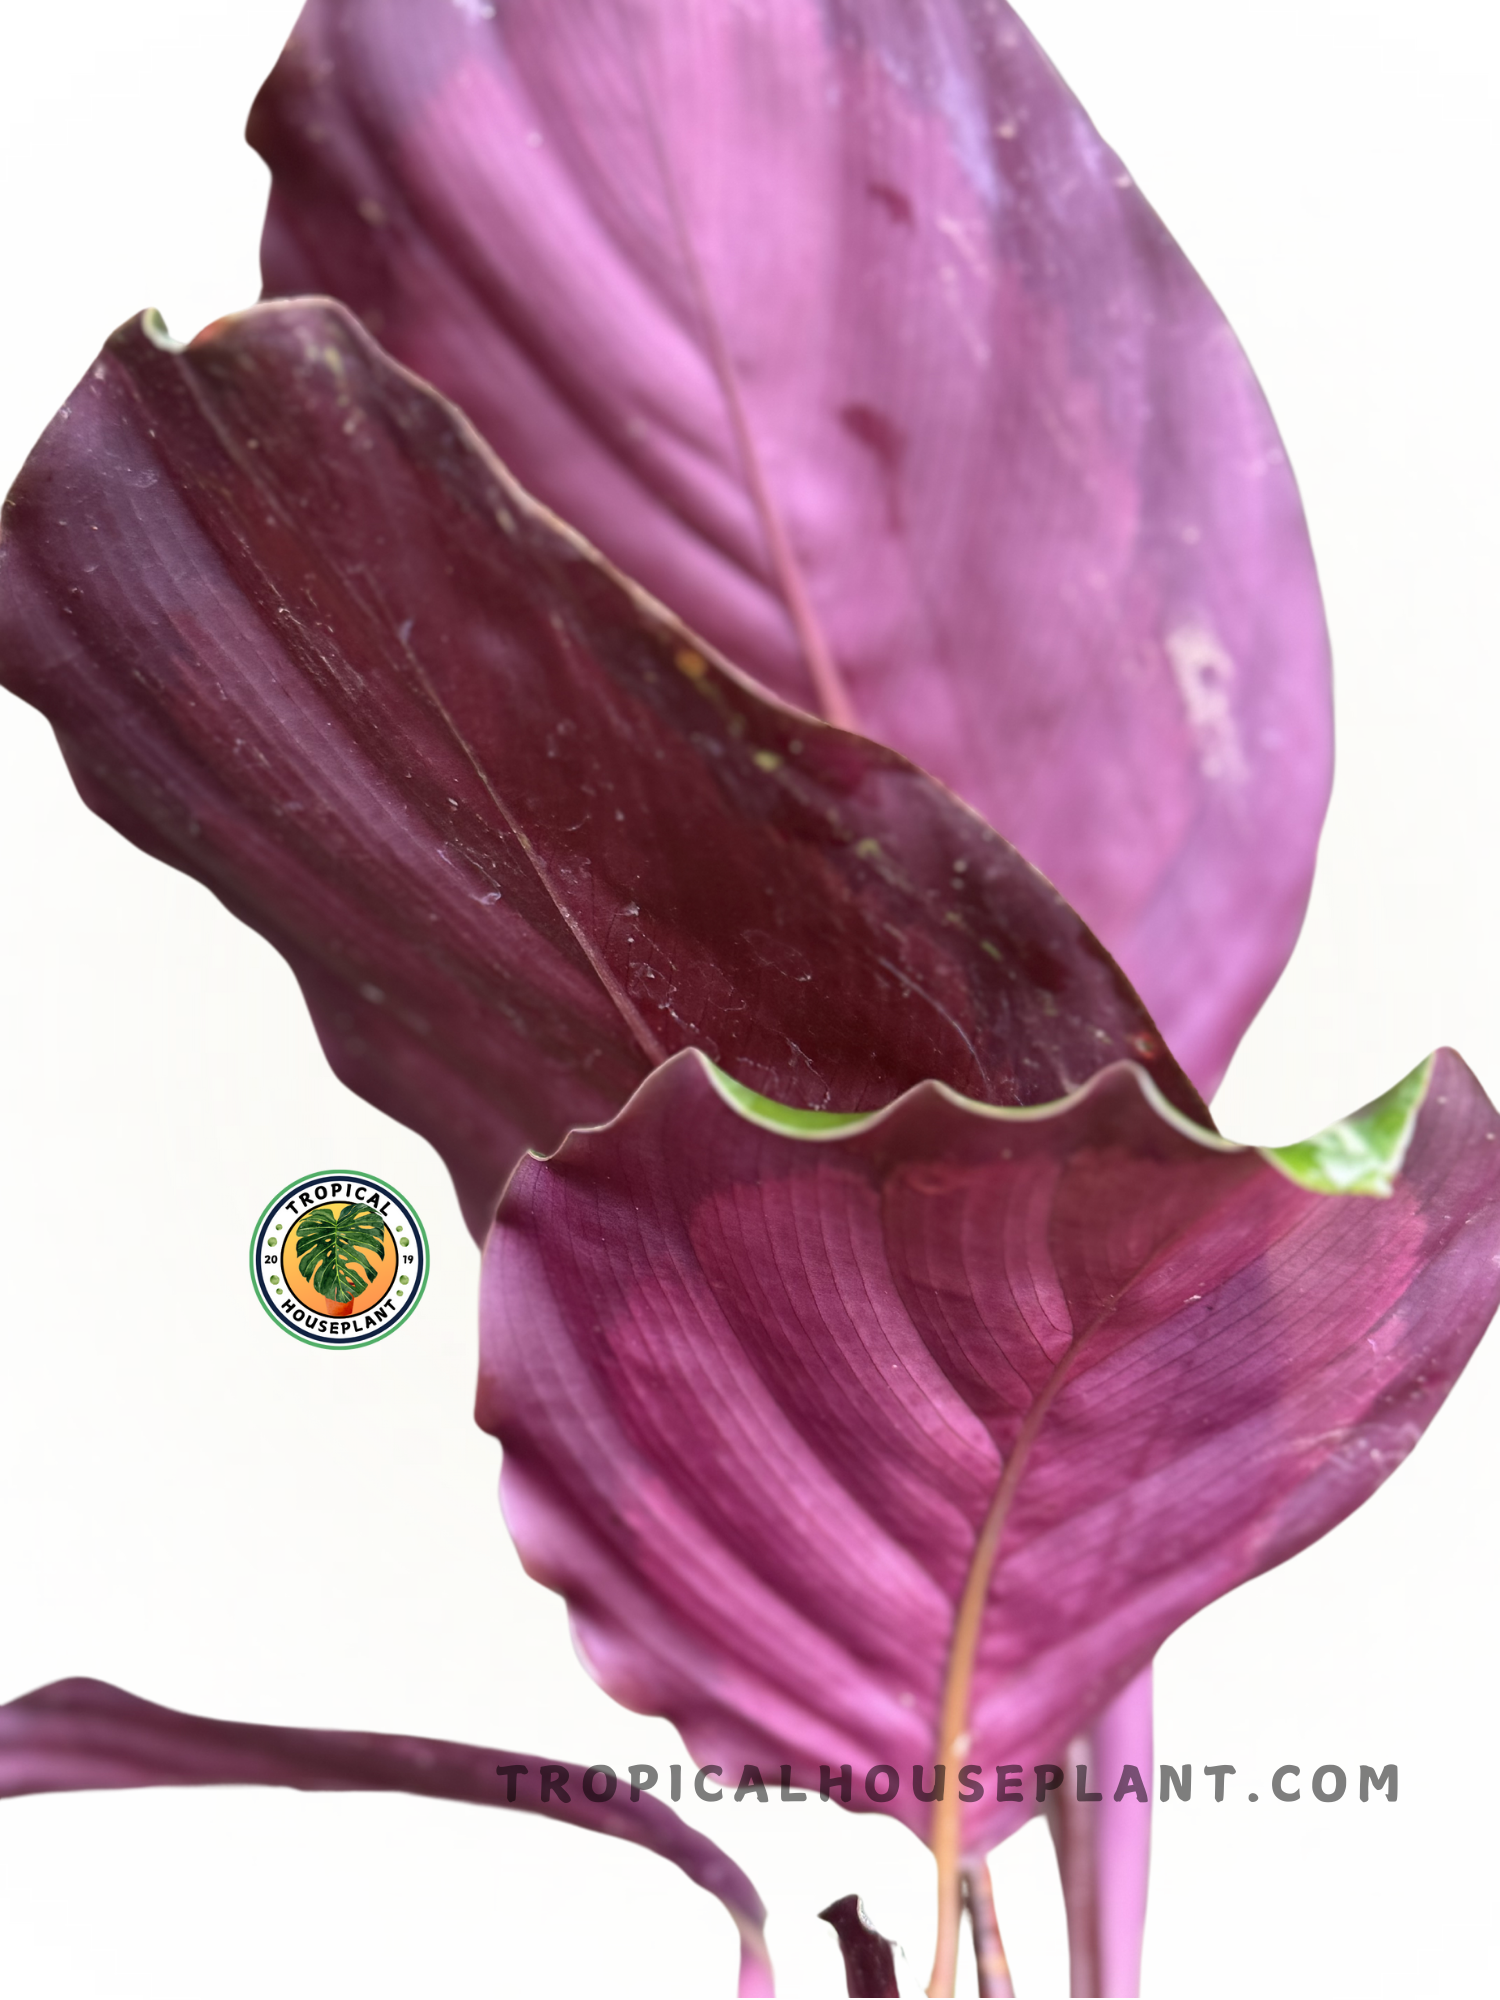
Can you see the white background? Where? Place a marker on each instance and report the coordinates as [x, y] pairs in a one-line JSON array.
[[215, 1516]]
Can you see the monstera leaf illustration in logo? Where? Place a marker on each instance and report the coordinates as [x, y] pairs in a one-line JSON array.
[[331, 1247]]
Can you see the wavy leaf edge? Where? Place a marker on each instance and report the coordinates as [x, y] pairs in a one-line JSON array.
[[1361, 1154]]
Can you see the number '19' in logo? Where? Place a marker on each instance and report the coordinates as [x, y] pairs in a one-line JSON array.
[[339, 1259]]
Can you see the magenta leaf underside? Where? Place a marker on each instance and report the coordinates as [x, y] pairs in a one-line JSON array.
[[519, 835], [85, 1735], [758, 1390], [839, 327]]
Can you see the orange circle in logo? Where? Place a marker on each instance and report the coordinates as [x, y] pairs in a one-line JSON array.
[[384, 1264]]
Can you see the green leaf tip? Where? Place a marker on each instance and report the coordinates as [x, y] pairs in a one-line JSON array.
[[1362, 1154]]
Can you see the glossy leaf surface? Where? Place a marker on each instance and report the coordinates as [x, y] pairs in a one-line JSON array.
[[519, 836], [836, 324], [85, 1735], [765, 1393]]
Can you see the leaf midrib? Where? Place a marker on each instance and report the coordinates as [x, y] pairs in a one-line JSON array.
[[831, 694], [654, 1050]]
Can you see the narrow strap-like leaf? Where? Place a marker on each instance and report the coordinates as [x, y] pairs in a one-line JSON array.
[[85, 1735]]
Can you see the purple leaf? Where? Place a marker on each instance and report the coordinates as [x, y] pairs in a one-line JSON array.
[[907, 1440], [869, 1962], [519, 836], [836, 324], [85, 1735]]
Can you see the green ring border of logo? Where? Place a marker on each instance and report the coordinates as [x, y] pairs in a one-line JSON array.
[[329, 1174]]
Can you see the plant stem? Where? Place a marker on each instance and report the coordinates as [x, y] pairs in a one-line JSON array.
[[989, 1952], [953, 1720], [1072, 1828], [1120, 1836], [1104, 1850]]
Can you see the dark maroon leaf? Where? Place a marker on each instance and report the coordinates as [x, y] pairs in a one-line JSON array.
[[85, 1735], [869, 1962], [518, 834], [836, 324]]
